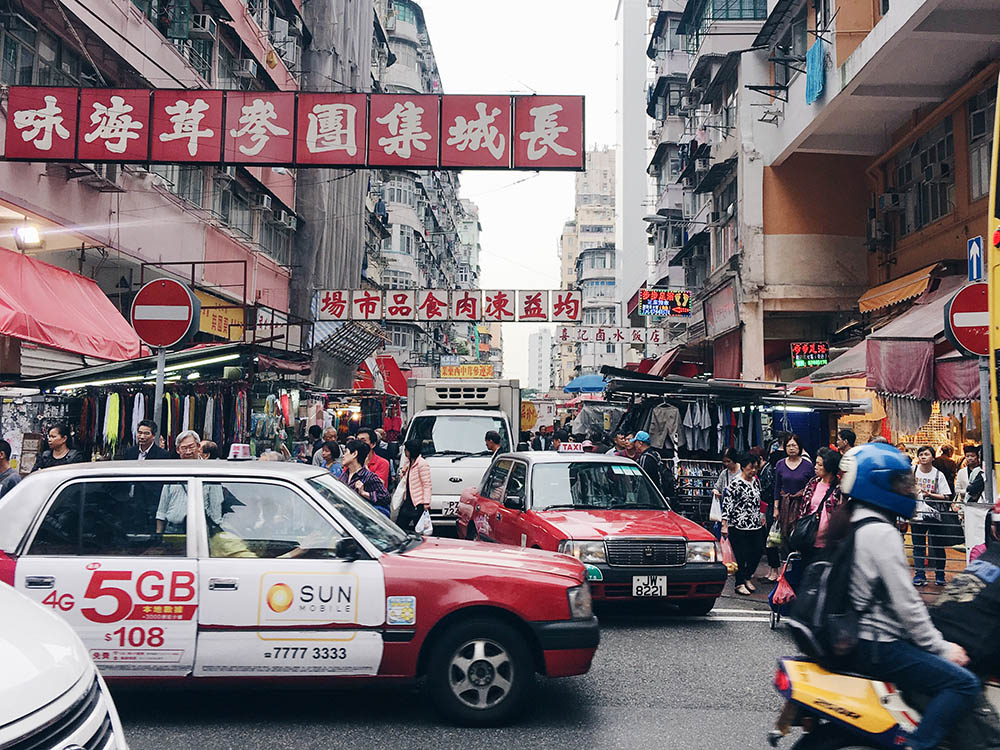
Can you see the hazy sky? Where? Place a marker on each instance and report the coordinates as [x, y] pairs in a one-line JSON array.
[[520, 46]]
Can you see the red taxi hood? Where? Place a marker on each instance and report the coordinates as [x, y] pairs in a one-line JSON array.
[[596, 524], [498, 556]]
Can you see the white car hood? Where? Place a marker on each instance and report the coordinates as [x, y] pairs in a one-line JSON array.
[[42, 657]]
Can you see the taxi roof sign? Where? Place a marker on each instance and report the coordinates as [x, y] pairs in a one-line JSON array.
[[565, 447]]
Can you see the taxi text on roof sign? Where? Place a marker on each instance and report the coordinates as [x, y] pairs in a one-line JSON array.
[[565, 447], [295, 129]]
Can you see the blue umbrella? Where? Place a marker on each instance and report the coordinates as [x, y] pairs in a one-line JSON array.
[[590, 383]]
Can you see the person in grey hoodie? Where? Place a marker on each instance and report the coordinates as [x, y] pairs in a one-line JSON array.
[[898, 641]]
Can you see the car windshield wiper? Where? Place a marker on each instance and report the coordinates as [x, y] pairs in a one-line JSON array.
[[466, 455], [640, 506], [411, 541], [566, 506], [450, 453]]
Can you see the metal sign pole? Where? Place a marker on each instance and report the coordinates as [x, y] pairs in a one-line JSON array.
[[985, 409], [161, 364]]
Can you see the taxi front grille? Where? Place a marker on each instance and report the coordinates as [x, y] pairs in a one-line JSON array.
[[56, 733], [646, 552]]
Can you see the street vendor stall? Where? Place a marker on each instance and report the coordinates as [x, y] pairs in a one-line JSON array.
[[692, 421]]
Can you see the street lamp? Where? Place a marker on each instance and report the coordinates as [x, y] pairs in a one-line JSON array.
[[27, 237]]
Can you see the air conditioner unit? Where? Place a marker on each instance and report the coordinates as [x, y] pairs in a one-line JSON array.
[[295, 26], [291, 222], [226, 174], [685, 102], [203, 26], [290, 52], [104, 175], [703, 164], [262, 202], [891, 201], [278, 217], [390, 21], [246, 69], [713, 218], [876, 231]]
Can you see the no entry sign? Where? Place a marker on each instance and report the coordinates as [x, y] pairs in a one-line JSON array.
[[163, 313], [967, 320]]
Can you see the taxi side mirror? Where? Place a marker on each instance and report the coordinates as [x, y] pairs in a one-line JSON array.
[[514, 502], [347, 549]]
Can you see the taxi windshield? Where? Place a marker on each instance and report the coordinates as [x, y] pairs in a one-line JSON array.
[[593, 485], [379, 530], [457, 434]]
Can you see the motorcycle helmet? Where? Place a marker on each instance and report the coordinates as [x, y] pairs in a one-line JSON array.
[[878, 474]]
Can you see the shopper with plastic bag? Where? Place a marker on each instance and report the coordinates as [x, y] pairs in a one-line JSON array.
[[416, 481]]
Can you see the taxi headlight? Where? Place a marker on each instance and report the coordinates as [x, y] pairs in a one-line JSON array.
[[585, 552], [703, 552], [581, 606]]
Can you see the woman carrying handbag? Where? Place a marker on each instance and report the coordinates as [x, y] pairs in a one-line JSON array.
[[417, 481], [820, 500]]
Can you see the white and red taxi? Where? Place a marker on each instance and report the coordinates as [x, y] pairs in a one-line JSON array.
[[604, 511], [252, 570]]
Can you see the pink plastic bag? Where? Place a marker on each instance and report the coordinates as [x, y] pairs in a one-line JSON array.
[[728, 558]]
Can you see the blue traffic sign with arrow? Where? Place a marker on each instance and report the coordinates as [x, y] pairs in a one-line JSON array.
[[975, 249]]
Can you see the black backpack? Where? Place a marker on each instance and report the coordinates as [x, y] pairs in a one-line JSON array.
[[823, 621]]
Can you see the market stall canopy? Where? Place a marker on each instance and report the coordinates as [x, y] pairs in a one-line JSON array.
[[900, 355], [589, 383], [663, 364], [395, 381], [60, 309], [899, 290], [851, 362]]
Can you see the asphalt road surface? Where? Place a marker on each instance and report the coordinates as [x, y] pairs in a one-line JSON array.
[[658, 681]]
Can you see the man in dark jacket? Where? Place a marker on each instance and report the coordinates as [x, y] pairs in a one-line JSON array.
[[542, 442], [647, 457], [145, 447]]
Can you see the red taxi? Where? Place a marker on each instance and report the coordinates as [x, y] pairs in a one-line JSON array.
[[604, 511], [250, 570]]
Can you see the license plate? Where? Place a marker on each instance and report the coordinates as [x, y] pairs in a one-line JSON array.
[[649, 585], [450, 508]]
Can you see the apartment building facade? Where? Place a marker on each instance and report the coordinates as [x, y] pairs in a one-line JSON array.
[[591, 228], [433, 240]]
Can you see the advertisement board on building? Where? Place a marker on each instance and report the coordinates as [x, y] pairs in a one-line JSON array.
[[295, 129], [721, 315], [664, 302], [810, 353], [468, 370]]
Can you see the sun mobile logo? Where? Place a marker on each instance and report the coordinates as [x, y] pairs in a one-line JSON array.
[[280, 597]]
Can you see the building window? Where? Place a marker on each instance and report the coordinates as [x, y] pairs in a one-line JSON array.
[[727, 229], [674, 40], [925, 175], [198, 52], [406, 54], [186, 181], [37, 57], [400, 188], [610, 348], [406, 240], [982, 110], [276, 241], [400, 336], [405, 13]]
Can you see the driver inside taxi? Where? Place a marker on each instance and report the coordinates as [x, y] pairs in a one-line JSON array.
[[223, 522]]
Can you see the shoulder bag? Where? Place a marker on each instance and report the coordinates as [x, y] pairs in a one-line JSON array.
[[802, 537]]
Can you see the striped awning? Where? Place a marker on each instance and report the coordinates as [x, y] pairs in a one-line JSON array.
[[892, 292]]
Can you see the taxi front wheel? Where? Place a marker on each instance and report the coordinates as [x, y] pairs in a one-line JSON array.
[[479, 671]]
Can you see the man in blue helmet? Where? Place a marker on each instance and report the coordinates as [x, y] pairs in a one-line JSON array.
[[898, 641]]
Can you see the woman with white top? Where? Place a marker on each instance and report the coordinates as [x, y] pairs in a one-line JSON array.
[[933, 489]]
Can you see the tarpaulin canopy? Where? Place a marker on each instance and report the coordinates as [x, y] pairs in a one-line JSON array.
[[663, 364], [851, 362], [395, 381], [60, 309], [589, 383], [903, 288], [900, 356]]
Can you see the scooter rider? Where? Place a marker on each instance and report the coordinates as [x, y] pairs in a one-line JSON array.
[[898, 641]]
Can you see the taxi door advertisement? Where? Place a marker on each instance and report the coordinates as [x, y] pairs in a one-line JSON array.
[[136, 615], [287, 616]]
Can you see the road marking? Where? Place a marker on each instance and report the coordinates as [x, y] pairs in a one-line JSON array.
[[732, 618], [743, 611]]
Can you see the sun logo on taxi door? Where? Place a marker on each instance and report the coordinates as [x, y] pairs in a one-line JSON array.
[[280, 597]]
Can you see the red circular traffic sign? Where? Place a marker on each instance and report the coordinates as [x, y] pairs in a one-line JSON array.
[[163, 312], [967, 319]]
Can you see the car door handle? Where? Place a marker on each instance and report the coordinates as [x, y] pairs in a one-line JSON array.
[[39, 582], [223, 584]]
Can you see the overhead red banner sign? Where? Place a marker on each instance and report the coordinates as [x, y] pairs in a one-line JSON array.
[[279, 128], [475, 305]]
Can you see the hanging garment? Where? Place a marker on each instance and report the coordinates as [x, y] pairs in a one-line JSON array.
[[665, 429], [209, 418], [186, 416], [138, 412], [111, 421], [690, 419]]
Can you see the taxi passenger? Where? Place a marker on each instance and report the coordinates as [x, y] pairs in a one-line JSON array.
[[172, 510]]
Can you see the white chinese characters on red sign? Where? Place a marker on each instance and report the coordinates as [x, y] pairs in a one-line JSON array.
[[476, 131], [187, 126], [41, 123], [259, 127], [331, 129], [403, 131], [498, 305], [548, 132], [466, 305], [114, 125]]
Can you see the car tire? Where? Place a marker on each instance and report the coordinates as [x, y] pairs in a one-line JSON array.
[[697, 607], [479, 671], [470, 532]]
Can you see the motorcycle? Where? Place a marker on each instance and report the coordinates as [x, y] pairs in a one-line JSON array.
[[844, 711]]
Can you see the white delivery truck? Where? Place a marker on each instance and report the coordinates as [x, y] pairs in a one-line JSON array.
[[451, 418]]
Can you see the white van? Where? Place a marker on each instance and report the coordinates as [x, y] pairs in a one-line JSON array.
[[51, 695]]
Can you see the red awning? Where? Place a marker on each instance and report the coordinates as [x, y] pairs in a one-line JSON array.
[[395, 381], [60, 309], [662, 365]]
